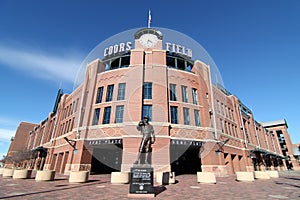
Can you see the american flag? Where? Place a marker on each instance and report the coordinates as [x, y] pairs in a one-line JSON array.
[[149, 19]]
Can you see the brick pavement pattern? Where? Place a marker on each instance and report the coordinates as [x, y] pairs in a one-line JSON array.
[[287, 186]]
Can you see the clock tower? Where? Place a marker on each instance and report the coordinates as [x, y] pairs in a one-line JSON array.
[[148, 38]]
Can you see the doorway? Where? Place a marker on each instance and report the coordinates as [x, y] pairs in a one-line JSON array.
[[185, 160], [106, 159]]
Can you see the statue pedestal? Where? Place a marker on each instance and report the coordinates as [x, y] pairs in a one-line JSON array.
[[141, 181]]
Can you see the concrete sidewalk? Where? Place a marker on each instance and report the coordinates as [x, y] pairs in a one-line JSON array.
[[287, 186]]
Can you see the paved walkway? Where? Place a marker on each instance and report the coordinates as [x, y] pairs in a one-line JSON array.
[[99, 187]]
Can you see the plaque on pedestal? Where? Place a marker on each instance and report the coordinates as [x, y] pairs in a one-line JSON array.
[[141, 181]]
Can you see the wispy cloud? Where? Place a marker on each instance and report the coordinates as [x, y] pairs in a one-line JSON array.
[[8, 128], [6, 134], [8, 122], [60, 65]]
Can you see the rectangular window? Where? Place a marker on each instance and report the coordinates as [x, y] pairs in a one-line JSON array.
[[109, 94], [235, 132], [226, 128], [195, 96], [147, 88], [171, 62], [71, 109], [173, 96], [125, 61], [197, 118], [184, 93], [106, 117], [121, 91], [226, 111], [174, 115], [99, 95], [218, 103], [147, 110], [222, 107], [229, 129], [247, 136], [96, 116], [119, 114], [186, 116], [115, 64], [221, 124], [180, 64], [76, 105]]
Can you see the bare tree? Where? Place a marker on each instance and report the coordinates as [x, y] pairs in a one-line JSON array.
[[18, 158]]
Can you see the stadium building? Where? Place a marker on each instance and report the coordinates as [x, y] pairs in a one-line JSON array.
[[199, 125]]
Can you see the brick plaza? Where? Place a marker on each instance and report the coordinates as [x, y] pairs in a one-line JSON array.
[[186, 187]]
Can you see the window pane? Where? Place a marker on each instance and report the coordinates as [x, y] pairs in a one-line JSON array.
[[147, 90], [186, 116], [106, 117], [96, 116], [173, 92], [222, 106], [121, 91], [189, 66], [119, 114], [221, 124], [109, 94], [184, 94], [174, 115], [226, 111], [180, 64], [147, 110], [195, 96], [171, 62], [99, 95], [115, 64], [125, 61], [197, 117]]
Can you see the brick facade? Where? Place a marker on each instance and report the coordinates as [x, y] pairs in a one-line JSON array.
[[79, 135]]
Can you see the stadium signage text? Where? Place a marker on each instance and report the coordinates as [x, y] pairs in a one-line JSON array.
[[117, 48], [176, 48], [126, 46]]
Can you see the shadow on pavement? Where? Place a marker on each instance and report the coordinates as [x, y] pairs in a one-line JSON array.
[[298, 179], [280, 183], [159, 189], [56, 189]]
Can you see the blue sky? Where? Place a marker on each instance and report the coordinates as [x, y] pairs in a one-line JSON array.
[[255, 44]]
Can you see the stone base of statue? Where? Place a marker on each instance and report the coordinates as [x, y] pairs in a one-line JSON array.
[[141, 181]]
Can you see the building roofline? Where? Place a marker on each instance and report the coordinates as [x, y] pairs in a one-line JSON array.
[[274, 123]]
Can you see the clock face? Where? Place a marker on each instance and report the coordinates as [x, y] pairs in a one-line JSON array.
[[148, 40]]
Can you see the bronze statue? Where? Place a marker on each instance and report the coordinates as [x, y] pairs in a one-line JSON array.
[[148, 139]]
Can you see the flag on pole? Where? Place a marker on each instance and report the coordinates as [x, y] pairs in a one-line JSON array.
[[149, 19]]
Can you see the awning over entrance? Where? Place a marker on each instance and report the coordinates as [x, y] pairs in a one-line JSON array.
[[267, 153], [40, 149]]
